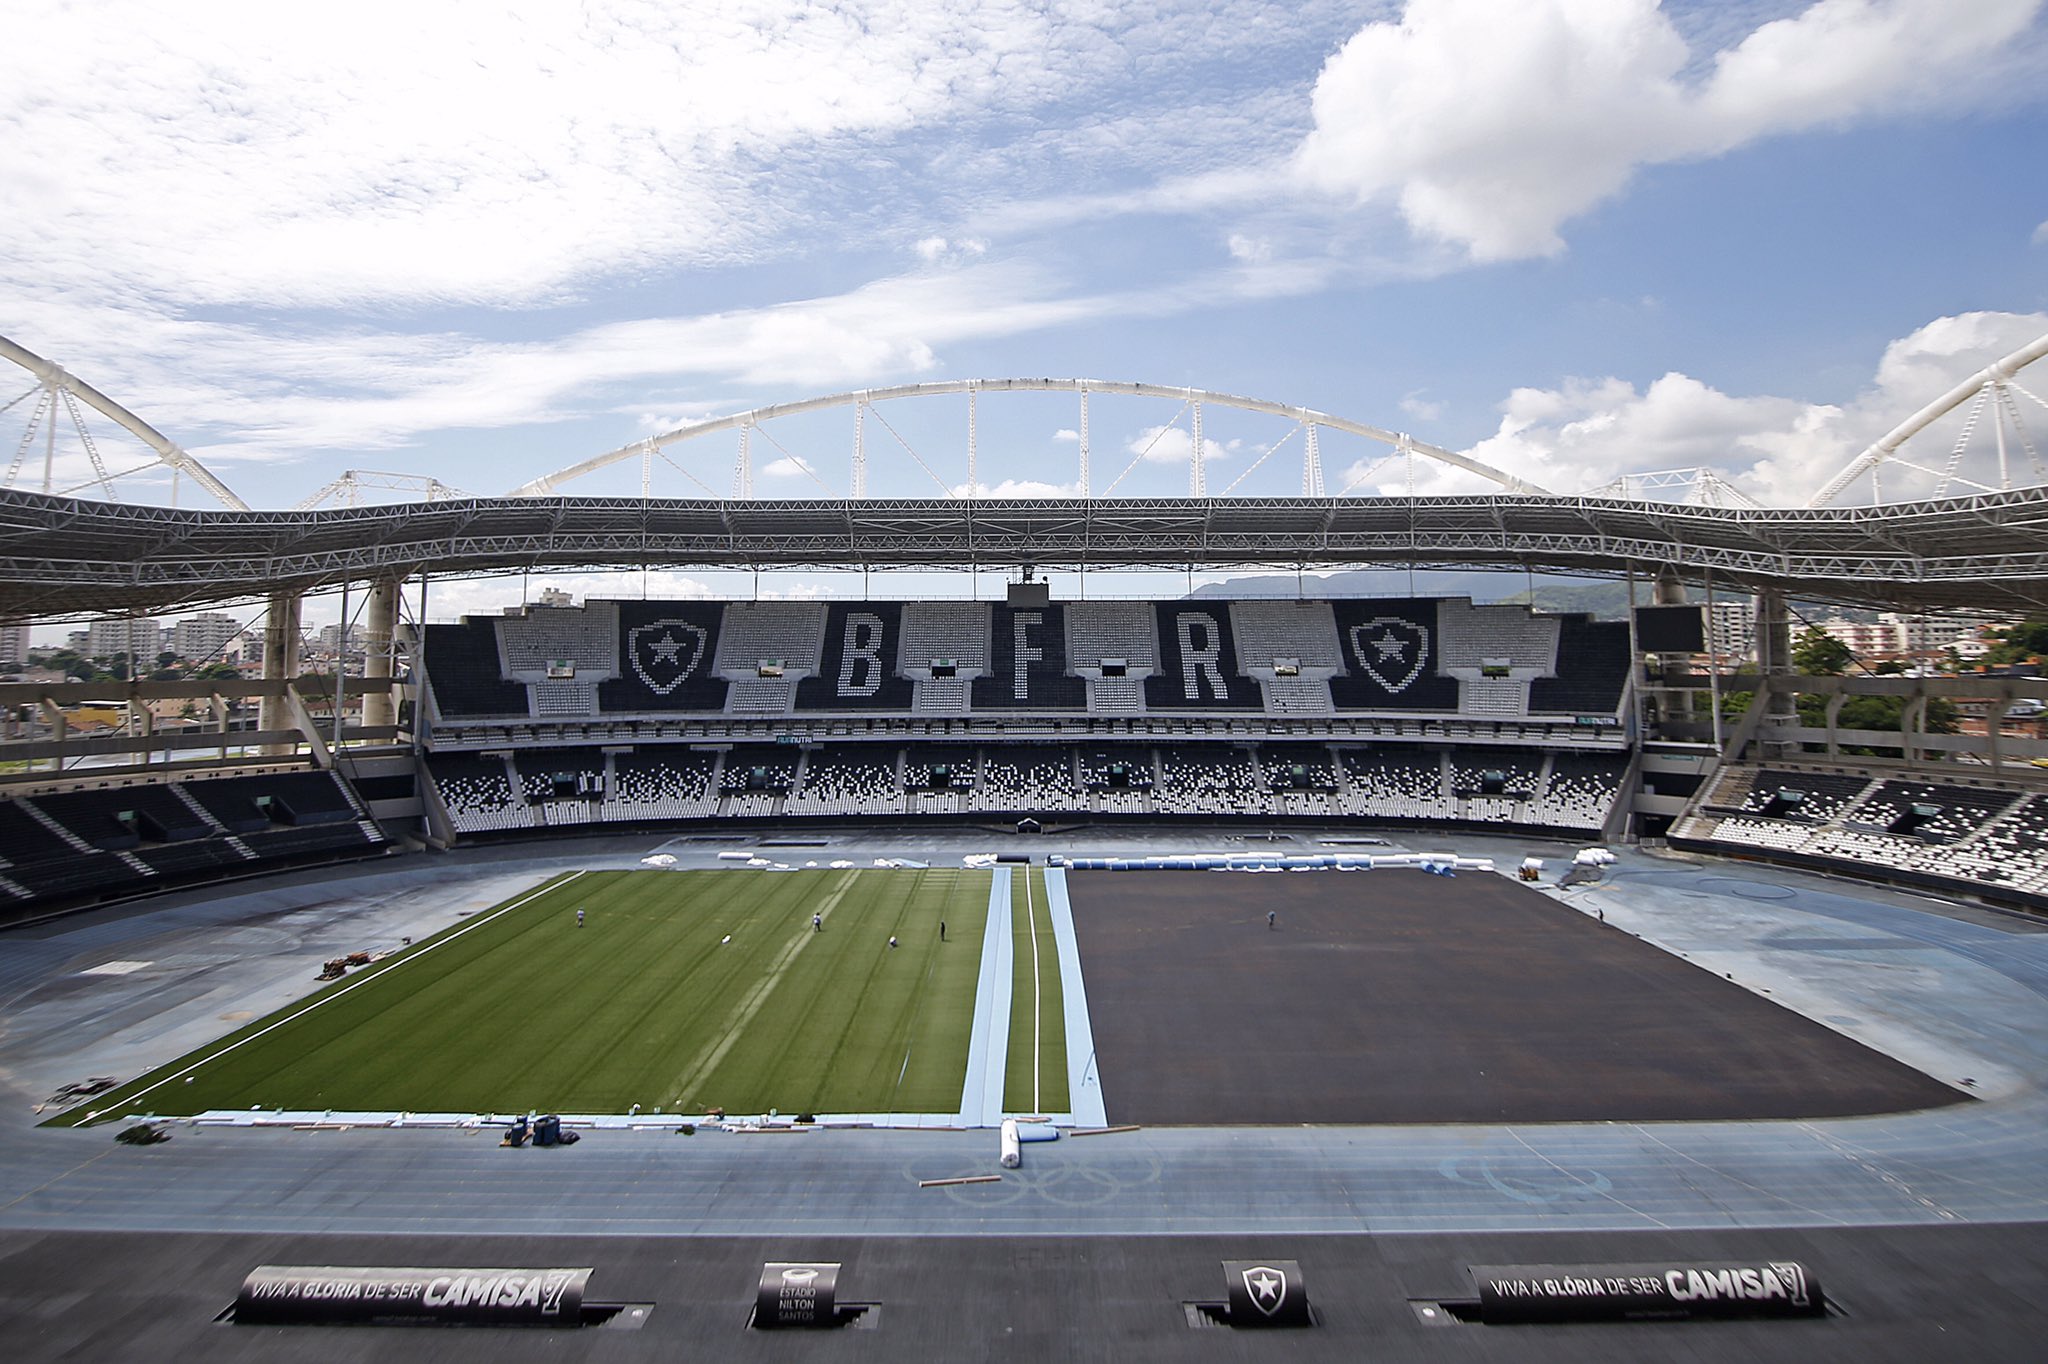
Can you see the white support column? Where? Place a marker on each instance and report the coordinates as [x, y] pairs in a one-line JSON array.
[[1084, 443], [280, 663], [1998, 402], [50, 442], [1198, 476], [860, 448], [380, 652], [973, 414], [1312, 463], [743, 471], [646, 469]]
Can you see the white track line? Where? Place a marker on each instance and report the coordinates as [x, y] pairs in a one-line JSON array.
[[1037, 1000], [360, 980]]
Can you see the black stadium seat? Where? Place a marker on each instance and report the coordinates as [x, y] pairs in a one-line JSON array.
[[462, 665], [1391, 656], [858, 668], [1028, 663], [1198, 662], [665, 654]]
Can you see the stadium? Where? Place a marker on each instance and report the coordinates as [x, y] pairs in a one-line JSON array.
[[1039, 970]]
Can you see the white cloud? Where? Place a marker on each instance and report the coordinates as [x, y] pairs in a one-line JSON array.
[[1016, 488], [472, 152], [786, 467], [1251, 250], [1421, 408], [1067, 436], [940, 250], [1492, 125], [1176, 445], [1584, 433], [228, 390], [2040, 237]]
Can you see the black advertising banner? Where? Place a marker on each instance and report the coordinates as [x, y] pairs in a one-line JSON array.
[[797, 1294], [1763, 1288], [275, 1295], [1266, 1293]]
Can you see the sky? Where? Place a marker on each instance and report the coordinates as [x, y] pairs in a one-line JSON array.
[[1576, 239]]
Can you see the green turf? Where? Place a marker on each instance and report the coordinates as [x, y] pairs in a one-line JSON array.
[[1038, 1021], [518, 1008]]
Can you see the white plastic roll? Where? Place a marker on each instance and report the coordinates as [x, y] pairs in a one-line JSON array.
[[1013, 1146]]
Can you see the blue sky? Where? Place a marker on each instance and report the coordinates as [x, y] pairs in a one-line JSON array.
[[1577, 238]]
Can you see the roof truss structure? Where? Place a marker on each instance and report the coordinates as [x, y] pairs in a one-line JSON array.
[[67, 556]]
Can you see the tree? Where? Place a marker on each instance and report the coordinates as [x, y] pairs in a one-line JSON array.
[[1819, 654], [2018, 643]]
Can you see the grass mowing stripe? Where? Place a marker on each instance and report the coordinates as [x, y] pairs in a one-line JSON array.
[[330, 996], [751, 1002]]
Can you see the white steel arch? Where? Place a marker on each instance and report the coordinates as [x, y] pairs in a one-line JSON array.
[[1994, 385], [57, 384], [1308, 419]]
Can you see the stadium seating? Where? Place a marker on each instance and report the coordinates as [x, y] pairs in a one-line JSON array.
[[666, 781], [1028, 663], [1116, 632], [1959, 811], [1113, 646], [1474, 637], [28, 835], [936, 767], [1390, 651], [666, 650], [1207, 779], [1028, 779], [857, 779], [2011, 850], [946, 632], [860, 669], [1302, 633], [1198, 665], [463, 664], [1302, 767], [1297, 695], [938, 660], [253, 803], [126, 816], [477, 790], [59, 848], [554, 774], [1581, 790], [1592, 669], [767, 768], [1825, 795], [788, 635], [761, 695], [555, 699], [539, 638], [1392, 783]]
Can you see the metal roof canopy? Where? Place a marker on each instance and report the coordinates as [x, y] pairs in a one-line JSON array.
[[1984, 553]]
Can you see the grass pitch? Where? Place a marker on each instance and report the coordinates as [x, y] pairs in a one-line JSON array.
[[681, 990]]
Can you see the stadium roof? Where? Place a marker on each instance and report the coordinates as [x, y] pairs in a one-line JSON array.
[[66, 556]]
